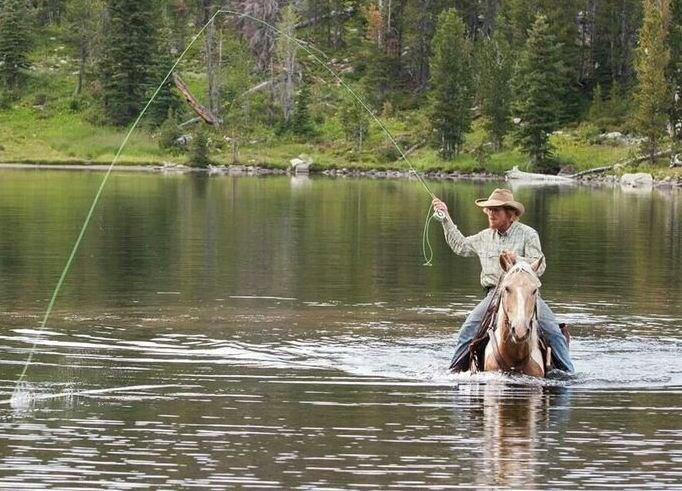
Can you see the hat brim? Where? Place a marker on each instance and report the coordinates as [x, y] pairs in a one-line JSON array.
[[488, 203]]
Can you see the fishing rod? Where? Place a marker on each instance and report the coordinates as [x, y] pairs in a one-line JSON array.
[[438, 214], [86, 223], [341, 82]]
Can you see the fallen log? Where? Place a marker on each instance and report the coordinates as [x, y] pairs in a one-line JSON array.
[[635, 160], [203, 113], [596, 170], [410, 150], [516, 174]]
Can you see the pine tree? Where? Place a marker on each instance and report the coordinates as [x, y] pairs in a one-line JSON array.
[[48, 11], [612, 27], [126, 68], [355, 122], [83, 18], [596, 112], [652, 59], [382, 67], [451, 80], [326, 17], [419, 24], [494, 90], [167, 102], [561, 17], [519, 17], [538, 83], [200, 155], [301, 122], [675, 70], [15, 42]]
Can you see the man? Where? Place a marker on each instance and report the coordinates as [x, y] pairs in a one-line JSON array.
[[506, 236]]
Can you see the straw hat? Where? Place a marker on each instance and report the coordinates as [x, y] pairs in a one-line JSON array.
[[501, 197]]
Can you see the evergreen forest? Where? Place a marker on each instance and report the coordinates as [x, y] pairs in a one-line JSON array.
[[469, 85]]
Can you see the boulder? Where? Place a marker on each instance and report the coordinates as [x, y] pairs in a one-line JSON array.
[[637, 180], [301, 164]]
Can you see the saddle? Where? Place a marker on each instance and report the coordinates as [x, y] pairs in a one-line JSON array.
[[473, 359]]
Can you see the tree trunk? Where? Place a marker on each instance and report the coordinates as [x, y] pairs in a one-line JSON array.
[[81, 68], [235, 149], [212, 66]]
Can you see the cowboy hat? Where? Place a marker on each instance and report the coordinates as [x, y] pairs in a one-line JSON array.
[[501, 197]]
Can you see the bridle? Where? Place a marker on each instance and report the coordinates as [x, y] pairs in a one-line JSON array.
[[499, 357]]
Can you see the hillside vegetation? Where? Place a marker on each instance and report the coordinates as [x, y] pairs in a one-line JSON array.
[[481, 87]]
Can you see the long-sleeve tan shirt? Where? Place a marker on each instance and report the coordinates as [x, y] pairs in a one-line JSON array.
[[489, 244]]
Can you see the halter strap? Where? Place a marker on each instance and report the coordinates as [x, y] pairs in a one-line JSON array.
[[499, 357]]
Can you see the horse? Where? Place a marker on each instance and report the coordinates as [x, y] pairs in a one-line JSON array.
[[514, 342]]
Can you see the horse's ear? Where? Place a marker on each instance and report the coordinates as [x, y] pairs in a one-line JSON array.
[[537, 264], [505, 262]]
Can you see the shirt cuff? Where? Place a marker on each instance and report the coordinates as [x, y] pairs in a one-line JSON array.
[[448, 224]]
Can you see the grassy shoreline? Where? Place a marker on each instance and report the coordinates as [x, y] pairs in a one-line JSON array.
[[45, 130], [672, 179]]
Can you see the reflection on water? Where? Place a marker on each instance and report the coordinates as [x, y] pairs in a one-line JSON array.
[[512, 420], [282, 333]]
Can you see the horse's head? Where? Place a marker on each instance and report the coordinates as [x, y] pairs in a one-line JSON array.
[[518, 296]]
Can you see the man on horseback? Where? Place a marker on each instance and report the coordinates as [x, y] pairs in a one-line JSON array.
[[505, 236]]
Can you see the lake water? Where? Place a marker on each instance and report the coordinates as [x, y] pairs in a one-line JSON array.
[[283, 332]]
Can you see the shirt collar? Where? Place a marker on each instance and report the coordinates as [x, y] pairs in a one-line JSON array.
[[507, 232]]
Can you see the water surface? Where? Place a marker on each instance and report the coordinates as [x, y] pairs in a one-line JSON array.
[[277, 332]]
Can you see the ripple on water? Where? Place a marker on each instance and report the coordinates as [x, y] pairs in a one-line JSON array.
[[385, 348]]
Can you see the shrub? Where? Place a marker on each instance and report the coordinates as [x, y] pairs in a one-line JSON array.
[[168, 135], [199, 151], [387, 153], [40, 99], [588, 133]]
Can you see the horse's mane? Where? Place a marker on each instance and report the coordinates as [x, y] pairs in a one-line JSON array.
[[521, 267]]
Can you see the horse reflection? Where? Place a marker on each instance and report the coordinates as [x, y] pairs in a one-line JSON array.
[[510, 434], [511, 423]]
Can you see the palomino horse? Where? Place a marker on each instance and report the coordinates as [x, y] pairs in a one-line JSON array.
[[514, 344]]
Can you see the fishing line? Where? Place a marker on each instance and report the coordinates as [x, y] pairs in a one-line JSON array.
[[350, 90], [96, 199], [23, 402], [98, 194], [426, 244]]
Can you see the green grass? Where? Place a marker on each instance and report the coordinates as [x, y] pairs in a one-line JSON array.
[[581, 155], [43, 127], [29, 136]]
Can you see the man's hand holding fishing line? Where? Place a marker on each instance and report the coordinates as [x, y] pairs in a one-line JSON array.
[[440, 209]]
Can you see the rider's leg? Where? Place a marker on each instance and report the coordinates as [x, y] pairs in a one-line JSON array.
[[469, 328], [550, 328]]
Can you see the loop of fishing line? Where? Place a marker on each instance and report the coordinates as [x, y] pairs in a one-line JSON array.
[[426, 243]]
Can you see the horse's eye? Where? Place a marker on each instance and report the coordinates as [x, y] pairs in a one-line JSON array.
[[535, 292], [507, 289]]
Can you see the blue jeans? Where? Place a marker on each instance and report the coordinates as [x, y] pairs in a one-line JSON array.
[[548, 326]]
